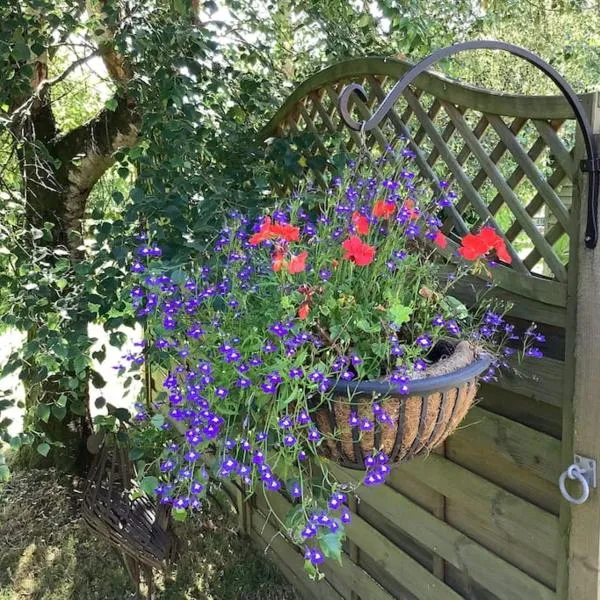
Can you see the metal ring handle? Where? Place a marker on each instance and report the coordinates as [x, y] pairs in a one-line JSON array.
[[574, 473]]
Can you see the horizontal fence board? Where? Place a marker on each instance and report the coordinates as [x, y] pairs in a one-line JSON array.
[[492, 572], [415, 490], [481, 525], [537, 378], [524, 485], [461, 583], [525, 526], [393, 531], [526, 448], [389, 583], [533, 413]]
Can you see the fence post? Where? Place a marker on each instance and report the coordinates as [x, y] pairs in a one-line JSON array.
[[579, 568]]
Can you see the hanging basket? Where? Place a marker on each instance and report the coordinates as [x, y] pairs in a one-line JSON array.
[[419, 421]]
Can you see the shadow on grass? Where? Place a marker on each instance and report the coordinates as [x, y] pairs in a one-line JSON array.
[[48, 553]]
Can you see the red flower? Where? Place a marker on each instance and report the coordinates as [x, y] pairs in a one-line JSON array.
[[384, 210], [358, 252], [440, 240], [361, 223], [278, 261], [409, 206], [303, 311], [474, 246], [297, 263], [269, 231], [263, 234], [286, 231]]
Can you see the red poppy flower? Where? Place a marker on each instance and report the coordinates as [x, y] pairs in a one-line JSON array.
[[303, 311], [286, 231], [297, 263], [384, 210], [360, 222], [440, 240], [358, 252], [263, 234]]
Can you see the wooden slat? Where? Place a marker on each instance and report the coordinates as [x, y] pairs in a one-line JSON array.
[[492, 572], [517, 458], [353, 576], [528, 533], [510, 198], [564, 158], [517, 444], [537, 415], [537, 378], [533, 173]]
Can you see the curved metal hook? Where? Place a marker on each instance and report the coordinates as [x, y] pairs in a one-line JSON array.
[[591, 165]]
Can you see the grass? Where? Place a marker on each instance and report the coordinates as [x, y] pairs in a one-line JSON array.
[[48, 553]]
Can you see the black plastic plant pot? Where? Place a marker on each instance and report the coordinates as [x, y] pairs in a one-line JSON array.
[[415, 423]]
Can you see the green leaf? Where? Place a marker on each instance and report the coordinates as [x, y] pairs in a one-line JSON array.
[[59, 412], [4, 473], [179, 514], [111, 104], [43, 412], [367, 327], [149, 484], [136, 454], [15, 442], [331, 544], [400, 314], [158, 421], [62, 400], [122, 414], [97, 380], [78, 408], [43, 448]]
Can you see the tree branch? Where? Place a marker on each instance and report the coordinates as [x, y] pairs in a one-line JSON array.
[[43, 87]]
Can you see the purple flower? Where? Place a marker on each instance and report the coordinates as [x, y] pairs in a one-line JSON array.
[[314, 555], [289, 440], [295, 490], [221, 392], [302, 456], [303, 418], [353, 419], [366, 425], [424, 341], [534, 352], [296, 373], [346, 517], [438, 321], [314, 435], [309, 531]]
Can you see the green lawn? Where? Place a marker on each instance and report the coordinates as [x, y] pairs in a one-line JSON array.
[[48, 553]]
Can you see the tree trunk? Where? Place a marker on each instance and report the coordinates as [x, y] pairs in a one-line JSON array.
[[58, 174]]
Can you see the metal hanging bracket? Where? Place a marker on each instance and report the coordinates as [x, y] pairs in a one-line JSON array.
[[582, 470], [590, 165]]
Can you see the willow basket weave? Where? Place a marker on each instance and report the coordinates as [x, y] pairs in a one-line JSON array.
[[420, 421]]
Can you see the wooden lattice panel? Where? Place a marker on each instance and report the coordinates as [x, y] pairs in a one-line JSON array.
[[509, 159]]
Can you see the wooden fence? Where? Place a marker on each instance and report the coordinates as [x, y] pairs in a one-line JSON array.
[[483, 517]]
